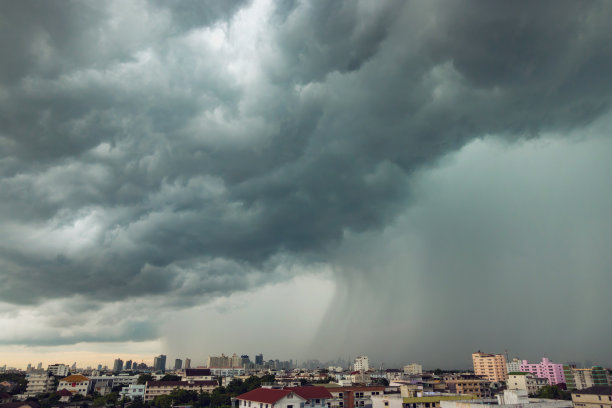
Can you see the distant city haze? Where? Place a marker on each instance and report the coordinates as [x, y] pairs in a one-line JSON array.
[[411, 181]]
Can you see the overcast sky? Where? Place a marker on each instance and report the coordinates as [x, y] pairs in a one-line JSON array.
[[411, 180]]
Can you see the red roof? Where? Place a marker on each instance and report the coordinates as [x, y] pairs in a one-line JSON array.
[[265, 395], [64, 393], [313, 392]]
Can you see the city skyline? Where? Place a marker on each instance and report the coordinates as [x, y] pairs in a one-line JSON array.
[[306, 179]]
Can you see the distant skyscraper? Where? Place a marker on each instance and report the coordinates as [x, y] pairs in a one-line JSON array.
[[187, 363], [39, 366], [99, 367], [159, 363], [178, 364], [118, 365], [259, 359], [128, 365]]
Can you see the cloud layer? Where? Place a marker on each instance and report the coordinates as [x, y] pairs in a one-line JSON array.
[[179, 151]]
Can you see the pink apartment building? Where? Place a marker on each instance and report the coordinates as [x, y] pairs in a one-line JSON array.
[[551, 371]]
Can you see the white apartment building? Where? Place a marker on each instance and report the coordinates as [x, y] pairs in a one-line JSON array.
[[76, 384], [58, 370], [413, 369], [133, 391], [514, 365], [362, 363], [40, 384]]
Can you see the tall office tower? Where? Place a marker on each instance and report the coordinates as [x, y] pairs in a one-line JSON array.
[[259, 359], [362, 364], [245, 359], [178, 364], [159, 363], [491, 366], [187, 363], [39, 366], [118, 365], [128, 365]]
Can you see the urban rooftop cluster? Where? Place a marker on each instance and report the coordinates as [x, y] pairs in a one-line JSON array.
[[237, 382]]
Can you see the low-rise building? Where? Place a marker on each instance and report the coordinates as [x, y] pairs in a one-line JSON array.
[[509, 399], [593, 397], [387, 400], [269, 398], [353, 396], [526, 382], [133, 391], [76, 384], [472, 386], [155, 388], [433, 400], [102, 386]]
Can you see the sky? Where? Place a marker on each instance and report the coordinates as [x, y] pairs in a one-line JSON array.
[[410, 180]]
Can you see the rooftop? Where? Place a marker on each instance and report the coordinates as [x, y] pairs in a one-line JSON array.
[[597, 390]]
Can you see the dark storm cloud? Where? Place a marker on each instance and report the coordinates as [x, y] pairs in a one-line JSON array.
[[135, 159]]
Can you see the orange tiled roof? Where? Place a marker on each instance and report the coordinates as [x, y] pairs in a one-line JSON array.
[[75, 378]]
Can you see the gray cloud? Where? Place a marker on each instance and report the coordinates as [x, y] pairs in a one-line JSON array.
[[142, 158]]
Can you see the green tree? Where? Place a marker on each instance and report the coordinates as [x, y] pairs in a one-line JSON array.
[[99, 402], [553, 392], [170, 377], [137, 403], [143, 378], [163, 401]]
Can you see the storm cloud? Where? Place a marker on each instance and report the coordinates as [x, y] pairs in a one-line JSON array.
[[180, 151]]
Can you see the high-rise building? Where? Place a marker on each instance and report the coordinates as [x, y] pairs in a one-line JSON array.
[[39, 366], [514, 365], [187, 363], [178, 364], [553, 372], [235, 361], [362, 364], [491, 366], [259, 359], [128, 365], [581, 378], [58, 370], [159, 363], [118, 365]]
